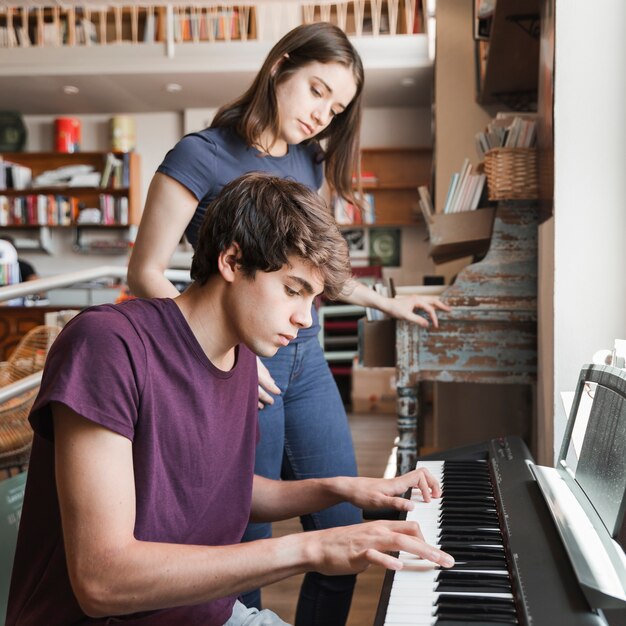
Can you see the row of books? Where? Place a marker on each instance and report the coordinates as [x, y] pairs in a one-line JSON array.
[[59, 210], [116, 172], [347, 214], [9, 273], [57, 26], [115, 175], [508, 130], [464, 193], [14, 176], [194, 24]]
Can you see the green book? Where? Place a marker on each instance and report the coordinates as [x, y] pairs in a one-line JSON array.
[[11, 499]]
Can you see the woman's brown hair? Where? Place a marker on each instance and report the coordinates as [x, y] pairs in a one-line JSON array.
[[256, 110]]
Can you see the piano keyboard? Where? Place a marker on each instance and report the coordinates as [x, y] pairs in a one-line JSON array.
[[511, 567], [464, 523]]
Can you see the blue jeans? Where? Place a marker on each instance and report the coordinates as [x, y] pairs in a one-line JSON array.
[[305, 434]]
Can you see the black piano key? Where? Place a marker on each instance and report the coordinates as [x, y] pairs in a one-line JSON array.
[[463, 622], [480, 564], [456, 599], [476, 607], [474, 587], [473, 517], [468, 510], [481, 618], [471, 535], [448, 574], [482, 496], [459, 541], [471, 549]]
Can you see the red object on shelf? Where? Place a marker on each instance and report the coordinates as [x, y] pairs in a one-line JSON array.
[[67, 134]]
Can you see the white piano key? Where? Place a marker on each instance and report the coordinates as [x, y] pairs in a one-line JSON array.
[[412, 596]]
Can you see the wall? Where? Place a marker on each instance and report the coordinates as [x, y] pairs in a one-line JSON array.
[[457, 116], [590, 187]]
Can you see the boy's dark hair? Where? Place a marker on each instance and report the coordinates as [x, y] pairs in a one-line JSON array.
[[256, 110], [271, 219]]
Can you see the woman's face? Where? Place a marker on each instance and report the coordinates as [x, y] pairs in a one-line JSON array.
[[309, 99]]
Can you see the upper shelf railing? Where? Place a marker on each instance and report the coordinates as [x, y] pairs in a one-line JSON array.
[[27, 23]]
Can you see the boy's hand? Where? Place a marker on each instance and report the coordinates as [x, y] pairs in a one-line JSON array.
[[381, 493], [352, 549]]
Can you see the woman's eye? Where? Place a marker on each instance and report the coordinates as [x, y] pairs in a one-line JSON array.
[[316, 92]]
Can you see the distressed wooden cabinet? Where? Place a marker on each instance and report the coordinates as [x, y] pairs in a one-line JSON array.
[[490, 335]]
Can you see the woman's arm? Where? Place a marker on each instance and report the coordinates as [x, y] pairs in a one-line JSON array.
[[400, 307], [169, 209]]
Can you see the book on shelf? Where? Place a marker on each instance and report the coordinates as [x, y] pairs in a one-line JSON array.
[[14, 175], [367, 178], [346, 213], [425, 203], [465, 190], [111, 171], [149, 27], [508, 130]]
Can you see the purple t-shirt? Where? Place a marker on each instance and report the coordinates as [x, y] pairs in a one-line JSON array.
[[205, 161], [137, 369]]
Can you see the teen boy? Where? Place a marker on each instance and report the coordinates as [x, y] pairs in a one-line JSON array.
[[141, 478]]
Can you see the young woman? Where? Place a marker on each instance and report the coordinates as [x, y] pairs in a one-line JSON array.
[[308, 90]]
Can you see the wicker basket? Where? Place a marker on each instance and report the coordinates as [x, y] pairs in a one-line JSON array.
[[512, 174]]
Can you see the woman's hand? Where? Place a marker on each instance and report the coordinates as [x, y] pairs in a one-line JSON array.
[[266, 385], [403, 308]]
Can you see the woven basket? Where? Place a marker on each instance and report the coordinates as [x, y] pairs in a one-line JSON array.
[[512, 174]]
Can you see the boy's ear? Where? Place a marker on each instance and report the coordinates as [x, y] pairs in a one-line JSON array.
[[228, 262]]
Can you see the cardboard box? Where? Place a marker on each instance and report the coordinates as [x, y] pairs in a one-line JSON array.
[[377, 343], [373, 389]]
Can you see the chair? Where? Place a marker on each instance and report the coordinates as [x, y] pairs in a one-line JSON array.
[[15, 432]]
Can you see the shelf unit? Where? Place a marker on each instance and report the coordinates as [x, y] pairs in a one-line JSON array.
[[75, 199], [398, 172], [507, 62]]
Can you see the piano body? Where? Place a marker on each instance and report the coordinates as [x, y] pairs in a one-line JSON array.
[[533, 545], [490, 336]]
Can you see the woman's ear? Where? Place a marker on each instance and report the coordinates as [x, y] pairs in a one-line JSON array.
[[278, 63], [228, 262]]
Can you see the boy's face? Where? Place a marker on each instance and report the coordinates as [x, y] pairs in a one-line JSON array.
[[269, 309]]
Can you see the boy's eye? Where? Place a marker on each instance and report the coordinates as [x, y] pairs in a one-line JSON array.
[[290, 292]]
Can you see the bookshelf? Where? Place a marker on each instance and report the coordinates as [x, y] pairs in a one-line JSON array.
[[114, 204], [507, 59], [48, 24], [390, 178]]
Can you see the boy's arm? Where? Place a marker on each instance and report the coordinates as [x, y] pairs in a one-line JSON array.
[[113, 573], [274, 500]]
